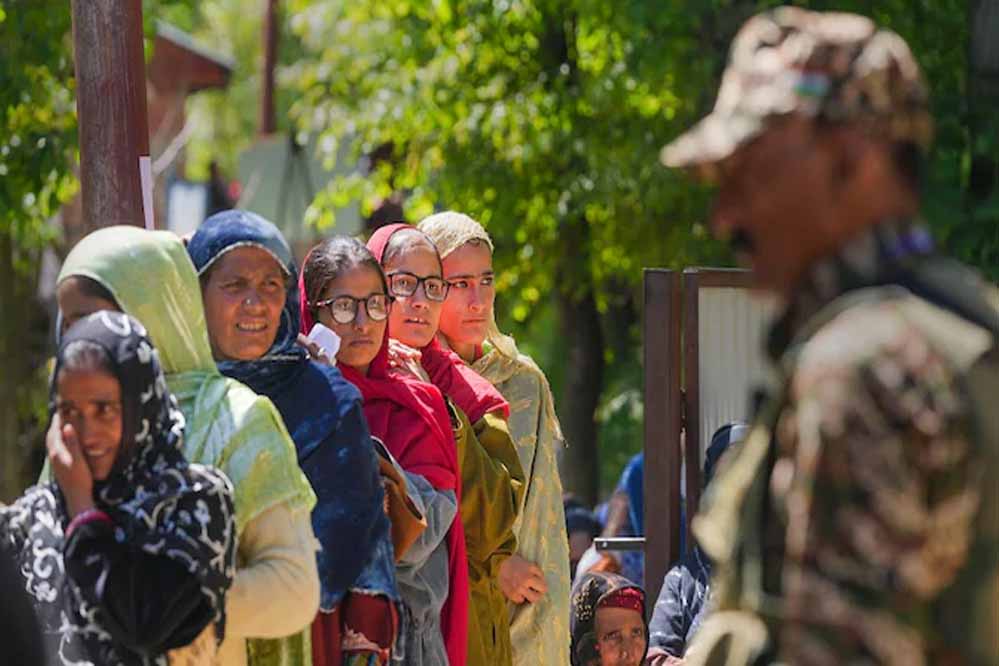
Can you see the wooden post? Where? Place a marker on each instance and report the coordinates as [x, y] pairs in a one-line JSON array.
[[268, 119], [691, 397], [661, 344], [115, 171]]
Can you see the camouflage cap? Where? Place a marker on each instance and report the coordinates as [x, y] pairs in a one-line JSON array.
[[833, 65]]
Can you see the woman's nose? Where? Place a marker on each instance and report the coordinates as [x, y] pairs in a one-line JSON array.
[[252, 300], [477, 302]]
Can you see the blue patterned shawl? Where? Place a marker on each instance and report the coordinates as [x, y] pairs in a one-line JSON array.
[[322, 412]]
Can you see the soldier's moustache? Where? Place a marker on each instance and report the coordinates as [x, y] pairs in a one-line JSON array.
[[741, 241]]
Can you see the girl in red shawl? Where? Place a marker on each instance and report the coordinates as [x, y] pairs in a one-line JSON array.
[[491, 475], [342, 286]]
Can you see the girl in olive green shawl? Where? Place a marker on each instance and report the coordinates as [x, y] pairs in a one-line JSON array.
[[275, 594], [539, 623]]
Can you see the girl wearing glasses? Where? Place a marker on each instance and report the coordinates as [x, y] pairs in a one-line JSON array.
[[491, 475], [342, 286]]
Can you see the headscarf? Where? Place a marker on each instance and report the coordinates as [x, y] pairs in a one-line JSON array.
[[314, 400], [596, 590], [449, 231], [473, 394], [158, 503], [228, 425], [411, 418], [721, 441]]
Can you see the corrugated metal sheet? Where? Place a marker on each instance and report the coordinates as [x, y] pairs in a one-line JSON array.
[[731, 357]]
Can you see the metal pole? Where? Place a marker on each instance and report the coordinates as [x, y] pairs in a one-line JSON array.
[[115, 171], [268, 121]]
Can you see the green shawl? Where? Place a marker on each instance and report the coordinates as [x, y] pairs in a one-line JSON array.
[[228, 425], [539, 632]]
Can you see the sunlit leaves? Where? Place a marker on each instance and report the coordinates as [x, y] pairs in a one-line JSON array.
[[37, 123], [529, 115]]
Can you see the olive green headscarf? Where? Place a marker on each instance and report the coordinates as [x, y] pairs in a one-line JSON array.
[[228, 425]]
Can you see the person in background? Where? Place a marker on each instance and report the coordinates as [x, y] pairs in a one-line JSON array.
[[129, 553], [685, 592], [536, 576], [859, 521], [582, 527], [492, 480], [623, 517], [608, 621], [275, 595], [342, 286], [248, 280]]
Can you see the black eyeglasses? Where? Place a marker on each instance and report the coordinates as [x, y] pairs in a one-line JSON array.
[[404, 285], [343, 309]]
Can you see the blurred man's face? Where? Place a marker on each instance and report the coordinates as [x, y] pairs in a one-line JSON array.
[[776, 201]]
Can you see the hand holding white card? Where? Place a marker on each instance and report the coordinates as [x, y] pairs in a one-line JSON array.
[[327, 340]]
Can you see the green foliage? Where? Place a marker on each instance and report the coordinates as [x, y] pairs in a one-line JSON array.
[[544, 118], [535, 117], [37, 152], [226, 121], [37, 122]]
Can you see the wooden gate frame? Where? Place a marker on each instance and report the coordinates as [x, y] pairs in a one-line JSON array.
[[672, 406], [663, 424]]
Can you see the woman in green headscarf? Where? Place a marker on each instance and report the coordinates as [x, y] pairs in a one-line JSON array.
[[275, 595], [536, 578]]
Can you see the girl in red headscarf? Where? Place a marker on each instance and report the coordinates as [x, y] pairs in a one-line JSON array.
[[491, 474], [342, 286]]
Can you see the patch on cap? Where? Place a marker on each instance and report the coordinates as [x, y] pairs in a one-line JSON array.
[[832, 65]]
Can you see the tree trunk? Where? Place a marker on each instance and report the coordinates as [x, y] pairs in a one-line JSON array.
[[982, 97], [111, 107], [582, 385], [16, 330]]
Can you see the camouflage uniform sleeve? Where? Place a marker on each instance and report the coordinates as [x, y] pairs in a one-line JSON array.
[[877, 480]]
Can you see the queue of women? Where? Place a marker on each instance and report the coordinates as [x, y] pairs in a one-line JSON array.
[[222, 489]]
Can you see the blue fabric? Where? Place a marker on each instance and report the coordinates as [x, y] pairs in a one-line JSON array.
[[322, 412], [686, 589], [633, 483], [682, 602]]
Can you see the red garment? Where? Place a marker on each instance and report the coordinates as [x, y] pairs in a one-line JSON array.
[[630, 598], [472, 393], [355, 629], [411, 418]]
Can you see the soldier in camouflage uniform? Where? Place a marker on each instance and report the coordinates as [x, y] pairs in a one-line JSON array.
[[859, 522]]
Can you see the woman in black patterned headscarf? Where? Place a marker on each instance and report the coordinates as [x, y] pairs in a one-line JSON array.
[[129, 553], [607, 621]]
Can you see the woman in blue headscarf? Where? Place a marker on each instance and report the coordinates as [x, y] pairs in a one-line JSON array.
[[252, 309]]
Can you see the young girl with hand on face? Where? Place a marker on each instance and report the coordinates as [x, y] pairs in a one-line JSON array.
[[129, 553], [276, 592]]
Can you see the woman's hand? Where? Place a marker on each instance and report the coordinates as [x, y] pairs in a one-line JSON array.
[[316, 353], [521, 581], [406, 360], [69, 467], [659, 657]]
